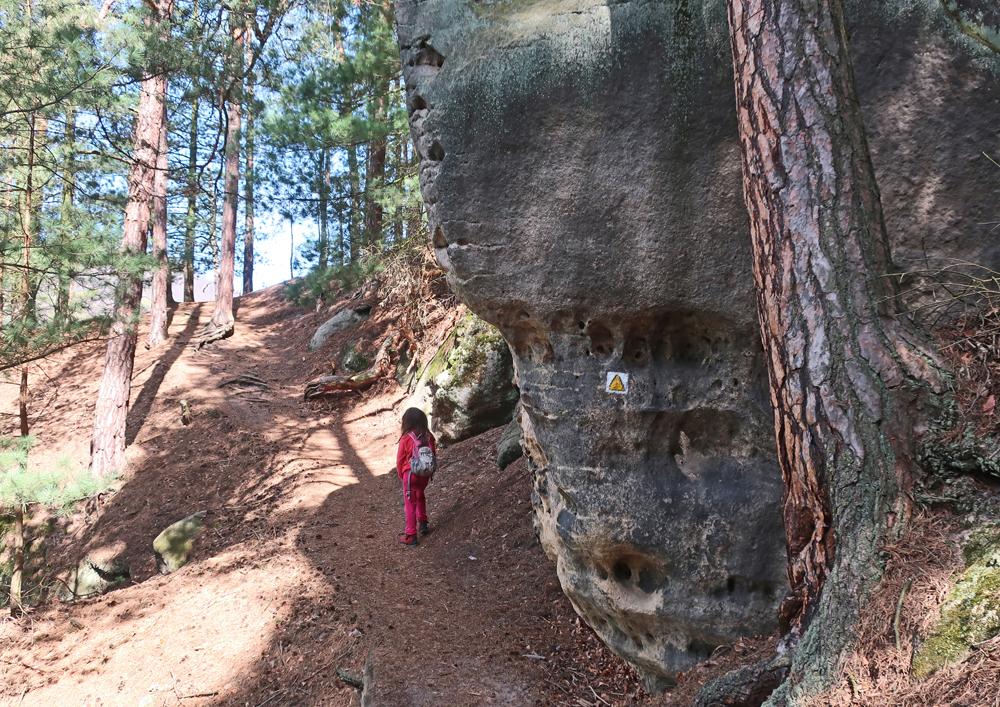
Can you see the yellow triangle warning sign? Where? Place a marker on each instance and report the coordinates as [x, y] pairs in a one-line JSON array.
[[616, 384]]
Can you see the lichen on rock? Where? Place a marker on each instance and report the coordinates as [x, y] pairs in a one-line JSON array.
[[971, 612]]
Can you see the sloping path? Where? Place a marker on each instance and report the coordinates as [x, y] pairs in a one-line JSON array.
[[298, 573]]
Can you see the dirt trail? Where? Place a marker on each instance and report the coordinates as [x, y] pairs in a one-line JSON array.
[[298, 573]]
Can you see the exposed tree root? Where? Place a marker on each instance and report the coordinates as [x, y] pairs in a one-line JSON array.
[[212, 332], [746, 687], [245, 381], [327, 385]]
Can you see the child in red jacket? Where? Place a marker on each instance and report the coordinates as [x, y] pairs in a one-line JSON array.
[[415, 434]]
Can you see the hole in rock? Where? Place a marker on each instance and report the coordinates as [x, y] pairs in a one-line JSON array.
[[731, 585], [417, 102], [428, 56], [700, 648], [436, 153], [601, 340], [622, 572], [649, 581]]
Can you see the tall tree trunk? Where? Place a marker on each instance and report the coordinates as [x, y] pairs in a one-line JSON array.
[[354, 180], [161, 275], [375, 180], [17, 573], [248, 230], [213, 227], [399, 168], [191, 220], [28, 226], [65, 275], [108, 444], [340, 238], [291, 248], [223, 321], [323, 208], [848, 374]]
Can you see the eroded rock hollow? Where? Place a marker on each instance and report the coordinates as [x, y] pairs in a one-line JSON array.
[[581, 175]]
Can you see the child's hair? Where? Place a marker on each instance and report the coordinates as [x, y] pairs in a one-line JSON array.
[[414, 420]]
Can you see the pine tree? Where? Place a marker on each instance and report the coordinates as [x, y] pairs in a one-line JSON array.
[[848, 372], [111, 409]]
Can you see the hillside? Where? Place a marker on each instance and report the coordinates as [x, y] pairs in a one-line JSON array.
[[299, 573]]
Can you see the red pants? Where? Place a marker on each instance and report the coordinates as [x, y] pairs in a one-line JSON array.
[[414, 505]]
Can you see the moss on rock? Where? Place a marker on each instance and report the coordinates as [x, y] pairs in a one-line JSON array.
[[173, 546], [971, 613]]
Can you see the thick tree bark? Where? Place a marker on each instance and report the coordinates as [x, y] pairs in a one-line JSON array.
[[223, 321], [191, 220], [161, 275], [248, 227], [847, 372], [107, 446]]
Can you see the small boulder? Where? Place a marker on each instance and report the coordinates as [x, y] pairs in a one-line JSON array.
[[100, 571], [509, 448], [173, 545], [468, 386], [344, 319]]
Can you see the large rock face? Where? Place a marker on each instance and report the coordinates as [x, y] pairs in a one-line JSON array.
[[582, 178]]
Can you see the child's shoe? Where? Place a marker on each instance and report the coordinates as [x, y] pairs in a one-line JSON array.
[[425, 527], [408, 539]]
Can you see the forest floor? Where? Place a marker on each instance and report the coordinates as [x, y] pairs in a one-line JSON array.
[[298, 573]]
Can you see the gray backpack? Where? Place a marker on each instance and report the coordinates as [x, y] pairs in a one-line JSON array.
[[423, 462]]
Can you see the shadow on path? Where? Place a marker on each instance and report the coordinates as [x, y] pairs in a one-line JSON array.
[[144, 401]]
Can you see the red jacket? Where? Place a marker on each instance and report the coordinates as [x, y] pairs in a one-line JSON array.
[[404, 453]]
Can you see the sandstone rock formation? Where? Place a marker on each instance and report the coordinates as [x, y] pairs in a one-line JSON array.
[[582, 180], [467, 387]]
